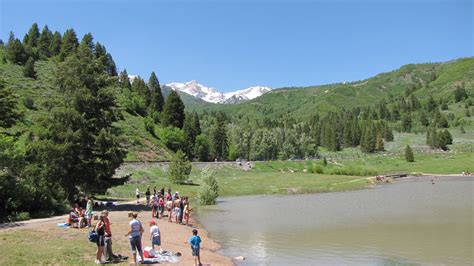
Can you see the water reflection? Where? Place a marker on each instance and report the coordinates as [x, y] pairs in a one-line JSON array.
[[409, 223]]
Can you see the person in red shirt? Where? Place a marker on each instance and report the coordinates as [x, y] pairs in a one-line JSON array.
[[109, 255]]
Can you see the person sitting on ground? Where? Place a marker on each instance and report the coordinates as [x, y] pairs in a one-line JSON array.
[[135, 237], [195, 242], [78, 210], [100, 229], [73, 218], [155, 235]]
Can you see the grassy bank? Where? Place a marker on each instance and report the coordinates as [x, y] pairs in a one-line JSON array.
[[288, 177]]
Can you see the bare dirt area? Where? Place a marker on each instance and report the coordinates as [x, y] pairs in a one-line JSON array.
[[174, 236]]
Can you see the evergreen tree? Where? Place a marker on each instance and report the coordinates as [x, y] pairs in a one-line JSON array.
[[69, 44], [409, 154], [15, 52], [32, 37], [387, 134], [139, 86], [79, 148], [459, 94], [157, 100], [179, 168], [124, 80], [29, 68], [202, 148], [8, 102], [424, 119], [367, 143], [219, 140], [173, 111], [406, 123], [443, 122], [191, 130], [56, 43], [379, 145], [110, 66], [44, 43], [431, 105]]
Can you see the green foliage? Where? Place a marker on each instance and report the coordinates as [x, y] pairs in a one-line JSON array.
[[69, 44], [29, 103], [29, 68], [209, 189], [179, 168], [44, 43], [325, 162], [173, 111], [202, 148], [157, 100], [409, 154], [8, 102], [149, 124], [15, 51], [173, 138], [460, 94]]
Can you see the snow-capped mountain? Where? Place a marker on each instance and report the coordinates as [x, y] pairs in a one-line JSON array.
[[213, 96]]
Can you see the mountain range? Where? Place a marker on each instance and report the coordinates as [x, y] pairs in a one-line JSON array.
[[212, 95]]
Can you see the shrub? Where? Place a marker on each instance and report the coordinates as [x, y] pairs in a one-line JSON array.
[[149, 125], [29, 103], [318, 169], [173, 138], [409, 154], [179, 168], [22, 216], [209, 189]]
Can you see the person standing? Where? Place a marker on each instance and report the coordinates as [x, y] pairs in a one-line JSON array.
[[89, 211], [147, 195], [154, 210], [109, 255], [169, 208], [155, 235], [181, 209], [162, 191], [187, 212], [100, 230], [161, 206], [137, 193], [135, 237], [177, 208], [195, 242]]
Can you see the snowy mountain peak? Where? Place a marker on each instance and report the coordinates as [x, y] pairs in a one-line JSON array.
[[208, 94]]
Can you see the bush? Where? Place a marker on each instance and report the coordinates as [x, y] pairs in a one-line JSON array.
[[29, 103], [409, 154], [352, 170], [209, 189], [318, 169], [179, 168], [22, 216], [173, 138], [149, 125]]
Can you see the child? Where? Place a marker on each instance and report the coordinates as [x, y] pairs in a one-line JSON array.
[[187, 211], [155, 235], [195, 242]]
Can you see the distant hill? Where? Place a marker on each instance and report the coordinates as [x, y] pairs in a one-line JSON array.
[[36, 96], [436, 79]]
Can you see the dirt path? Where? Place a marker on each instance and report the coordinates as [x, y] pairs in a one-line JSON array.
[[174, 236]]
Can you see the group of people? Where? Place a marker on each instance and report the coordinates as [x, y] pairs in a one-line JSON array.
[[80, 217], [176, 206]]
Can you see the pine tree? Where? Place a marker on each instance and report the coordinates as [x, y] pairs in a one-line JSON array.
[[387, 134], [406, 123], [32, 37], [424, 119], [409, 154], [443, 122], [379, 145], [8, 111], [460, 94], [44, 43], [88, 40], [191, 130], [124, 80], [173, 111], [157, 100], [15, 52], [219, 140], [431, 105], [179, 168], [110, 66], [69, 44], [56, 43], [29, 68], [367, 143], [79, 148], [202, 148]]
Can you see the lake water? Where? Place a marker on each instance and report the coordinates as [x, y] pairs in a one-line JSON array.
[[407, 223]]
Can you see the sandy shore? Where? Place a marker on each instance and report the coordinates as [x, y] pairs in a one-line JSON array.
[[174, 236]]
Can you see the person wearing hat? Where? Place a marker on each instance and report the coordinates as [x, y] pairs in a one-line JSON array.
[[155, 235], [135, 237]]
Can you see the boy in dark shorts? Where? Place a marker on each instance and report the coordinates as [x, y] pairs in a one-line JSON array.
[[195, 242]]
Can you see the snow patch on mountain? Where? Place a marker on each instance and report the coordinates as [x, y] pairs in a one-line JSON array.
[[214, 96]]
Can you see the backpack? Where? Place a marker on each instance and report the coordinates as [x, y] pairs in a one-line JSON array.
[[92, 236]]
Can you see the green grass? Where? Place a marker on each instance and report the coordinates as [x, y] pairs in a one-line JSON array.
[[235, 182], [67, 248]]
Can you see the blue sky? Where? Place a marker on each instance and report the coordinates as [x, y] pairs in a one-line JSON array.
[[231, 45]]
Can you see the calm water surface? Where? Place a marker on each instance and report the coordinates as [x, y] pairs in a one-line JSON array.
[[406, 223]]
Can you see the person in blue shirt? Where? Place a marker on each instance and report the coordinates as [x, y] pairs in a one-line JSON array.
[[195, 242]]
